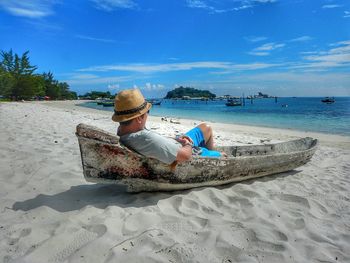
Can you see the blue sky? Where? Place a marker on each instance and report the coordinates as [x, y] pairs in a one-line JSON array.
[[279, 47]]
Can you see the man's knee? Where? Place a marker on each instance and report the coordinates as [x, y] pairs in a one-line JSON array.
[[206, 129]]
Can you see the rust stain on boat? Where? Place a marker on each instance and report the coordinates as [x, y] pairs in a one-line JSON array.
[[109, 150]]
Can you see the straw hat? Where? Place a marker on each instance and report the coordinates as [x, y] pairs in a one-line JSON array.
[[129, 104]]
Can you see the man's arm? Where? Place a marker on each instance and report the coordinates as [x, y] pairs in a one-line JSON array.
[[184, 153]]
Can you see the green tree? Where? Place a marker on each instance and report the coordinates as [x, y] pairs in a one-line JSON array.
[[6, 82], [52, 88], [191, 92], [64, 90], [21, 72], [16, 65], [29, 86], [55, 89], [7, 62], [98, 94]]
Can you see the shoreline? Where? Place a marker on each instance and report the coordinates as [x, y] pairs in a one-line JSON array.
[[279, 134], [293, 118]]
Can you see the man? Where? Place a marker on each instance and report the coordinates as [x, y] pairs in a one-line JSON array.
[[131, 111]]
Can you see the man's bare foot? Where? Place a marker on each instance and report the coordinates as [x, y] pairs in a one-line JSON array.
[[223, 154]]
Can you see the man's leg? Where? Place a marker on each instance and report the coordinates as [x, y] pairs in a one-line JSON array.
[[202, 136], [207, 134]]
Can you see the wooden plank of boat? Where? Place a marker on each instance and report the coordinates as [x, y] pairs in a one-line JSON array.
[[105, 160]]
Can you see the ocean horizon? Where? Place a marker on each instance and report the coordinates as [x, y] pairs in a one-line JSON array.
[[296, 113]]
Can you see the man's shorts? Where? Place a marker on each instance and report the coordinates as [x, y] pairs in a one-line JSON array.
[[197, 137]]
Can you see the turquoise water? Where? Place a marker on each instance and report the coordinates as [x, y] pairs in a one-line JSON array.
[[301, 113]]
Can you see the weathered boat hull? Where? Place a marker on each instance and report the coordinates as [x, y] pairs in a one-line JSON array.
[[106, 161]]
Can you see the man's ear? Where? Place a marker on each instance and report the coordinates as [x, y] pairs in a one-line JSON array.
[[139, 119]]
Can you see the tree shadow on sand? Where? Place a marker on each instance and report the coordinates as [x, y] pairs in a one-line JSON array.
[[101, 196]]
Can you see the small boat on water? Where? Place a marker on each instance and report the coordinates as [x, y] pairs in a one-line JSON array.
[[99, 101], [105, 160], [155, 102], [234, 102], [328, 100], [107, 103]]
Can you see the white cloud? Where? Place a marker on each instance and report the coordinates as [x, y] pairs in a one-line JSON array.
[[269, 47], [346, 14], [255, 39], [224, 6], [95, 39], [254, 66], [197, 4], [30, 9], [260, 54], [245, 4], [309, 52], [301, 39], [337, 56], [151, 68], [113, 87], [262, 1], [242, 7], [84, 76], [330, 6], [281, 83], [264, 50], [110, 5], [155, 68], [153, 87], [83, 81]]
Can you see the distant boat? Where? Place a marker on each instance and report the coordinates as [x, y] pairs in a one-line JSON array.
[[107, 103], [233, 102], [328, 100], [155, 102], [99, 101]]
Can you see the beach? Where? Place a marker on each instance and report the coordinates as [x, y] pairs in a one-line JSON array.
[[49, 213]]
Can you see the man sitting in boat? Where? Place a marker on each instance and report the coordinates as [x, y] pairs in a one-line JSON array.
[[131, 111]]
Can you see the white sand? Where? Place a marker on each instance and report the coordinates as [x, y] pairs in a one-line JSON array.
[[48, 213]]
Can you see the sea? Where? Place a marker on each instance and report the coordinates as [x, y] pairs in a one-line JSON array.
[[296, 113]]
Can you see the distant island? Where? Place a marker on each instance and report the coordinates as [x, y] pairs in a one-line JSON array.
[[188, 93]]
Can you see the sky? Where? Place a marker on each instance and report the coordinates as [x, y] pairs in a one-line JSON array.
[[278, 47]]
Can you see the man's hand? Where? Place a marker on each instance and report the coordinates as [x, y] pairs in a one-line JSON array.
[[184, 140], [184, 153]]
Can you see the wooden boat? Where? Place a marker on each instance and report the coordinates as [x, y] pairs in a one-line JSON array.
[[105, 160], [233, 102], [99, 101], [328, 100], [155, 102], [108, 103]]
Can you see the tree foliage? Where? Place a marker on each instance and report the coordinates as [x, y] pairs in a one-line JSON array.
[[98, 94], [19, 81], [6, 82], [180, 92]]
